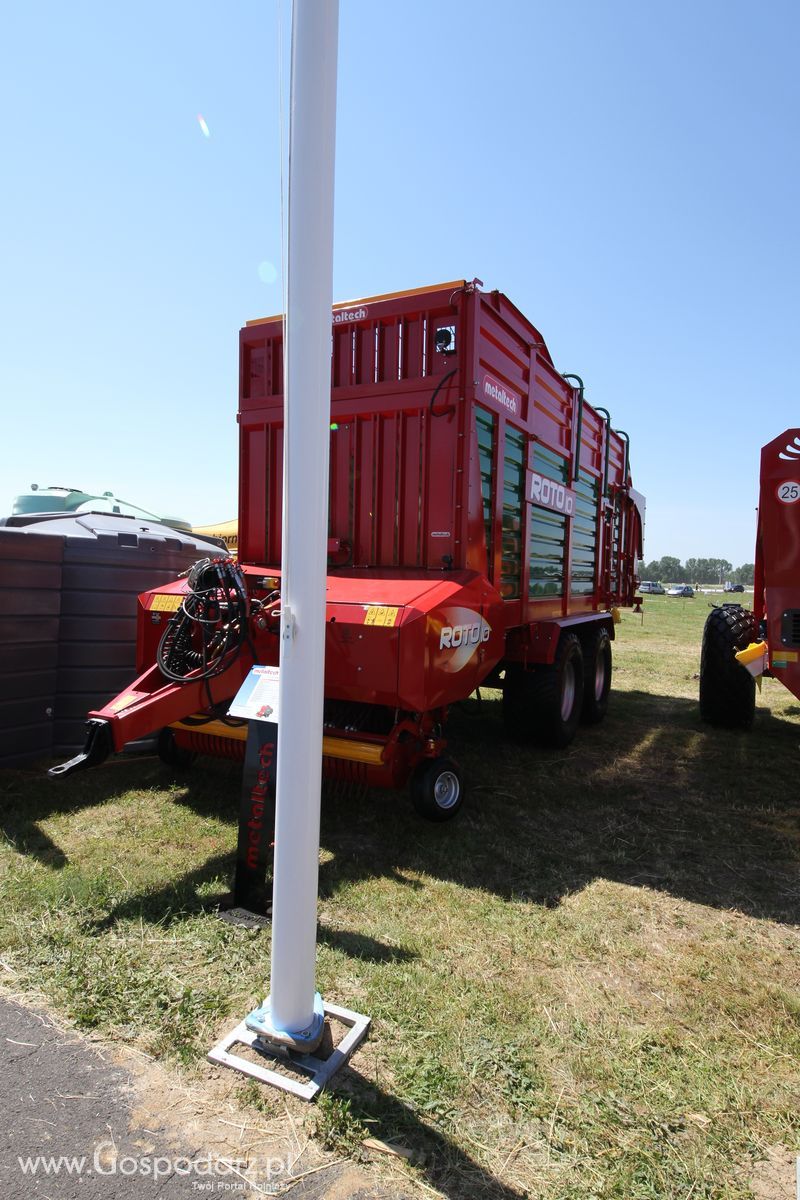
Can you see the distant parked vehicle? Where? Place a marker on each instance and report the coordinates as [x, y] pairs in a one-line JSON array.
[[733, 587], [650, 588], [681, 589]]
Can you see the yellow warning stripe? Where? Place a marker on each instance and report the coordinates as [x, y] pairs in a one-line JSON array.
[[166, 602]]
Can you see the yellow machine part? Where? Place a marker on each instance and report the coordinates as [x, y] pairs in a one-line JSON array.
[[753, 658], [349, 749]]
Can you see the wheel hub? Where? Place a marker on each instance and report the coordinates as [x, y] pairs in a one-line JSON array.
[[446, 790]]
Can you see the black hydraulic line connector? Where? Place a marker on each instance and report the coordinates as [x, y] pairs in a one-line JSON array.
[[99, 744]]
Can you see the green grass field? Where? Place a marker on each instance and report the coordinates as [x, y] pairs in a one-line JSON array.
[[588, 985]]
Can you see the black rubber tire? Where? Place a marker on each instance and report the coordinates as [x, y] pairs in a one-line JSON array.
[[534, 701], [171, 754], [727, 690], [437, 789], [597, 667]]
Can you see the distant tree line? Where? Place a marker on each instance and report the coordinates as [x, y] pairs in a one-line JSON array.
[[697, 570]]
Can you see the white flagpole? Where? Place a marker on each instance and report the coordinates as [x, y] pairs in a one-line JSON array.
[[293, 1011], [293, 1015]]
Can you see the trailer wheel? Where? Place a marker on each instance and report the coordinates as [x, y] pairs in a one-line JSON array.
[[597, 676], [171, 754], [543, 705], [437, 790], [727, 690]]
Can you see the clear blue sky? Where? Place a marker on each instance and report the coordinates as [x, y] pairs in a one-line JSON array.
[[627, 173]]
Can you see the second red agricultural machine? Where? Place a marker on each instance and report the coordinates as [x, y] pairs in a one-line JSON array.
[[740, 644], [482, 530]]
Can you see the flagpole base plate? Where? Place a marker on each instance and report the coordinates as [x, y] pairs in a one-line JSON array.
[[304, 1041], [273, 1054]]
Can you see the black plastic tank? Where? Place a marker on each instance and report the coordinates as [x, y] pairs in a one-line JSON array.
[[30, 610], [68, 589]]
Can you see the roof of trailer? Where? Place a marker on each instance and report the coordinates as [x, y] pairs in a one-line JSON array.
[[451, 285], [421, 291]]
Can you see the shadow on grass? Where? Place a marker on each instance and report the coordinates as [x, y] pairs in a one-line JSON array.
[[445, 1165], [651, 797], [29, 797]]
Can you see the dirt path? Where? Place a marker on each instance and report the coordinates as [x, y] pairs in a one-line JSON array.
[[74, 1122]]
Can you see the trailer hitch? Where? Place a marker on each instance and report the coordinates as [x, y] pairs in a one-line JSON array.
[[99, 744]]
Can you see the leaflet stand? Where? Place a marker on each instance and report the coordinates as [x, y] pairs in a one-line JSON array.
[[257, 703]]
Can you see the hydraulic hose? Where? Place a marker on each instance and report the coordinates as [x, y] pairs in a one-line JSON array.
[[207, 632]]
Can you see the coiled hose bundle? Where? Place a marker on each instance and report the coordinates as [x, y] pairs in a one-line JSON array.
[[206, 634]]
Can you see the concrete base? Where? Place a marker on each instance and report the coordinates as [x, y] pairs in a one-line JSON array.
[[318, 1070]]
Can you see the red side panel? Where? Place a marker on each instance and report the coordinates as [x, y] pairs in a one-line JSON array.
[[392, 459], [778, 555], [419, 643]]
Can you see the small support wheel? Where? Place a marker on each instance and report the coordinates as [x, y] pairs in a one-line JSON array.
[[437, 789], [597, 676], [171, 754]]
